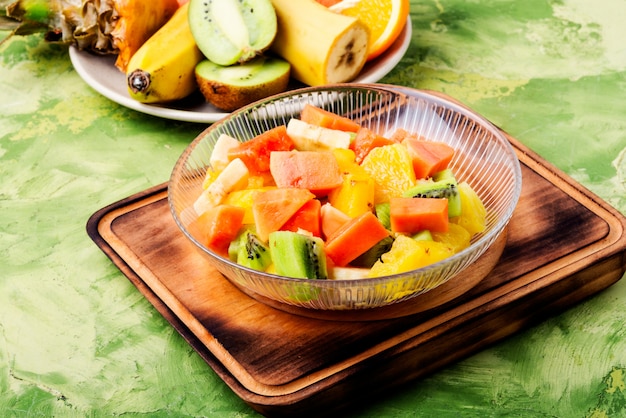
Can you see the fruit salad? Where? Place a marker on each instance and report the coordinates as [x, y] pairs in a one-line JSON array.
[[325, 198]]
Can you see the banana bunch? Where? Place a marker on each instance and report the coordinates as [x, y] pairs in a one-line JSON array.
[[321, 46]]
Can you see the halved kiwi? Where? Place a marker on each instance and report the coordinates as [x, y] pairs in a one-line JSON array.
[[231, 87], [232, 31]]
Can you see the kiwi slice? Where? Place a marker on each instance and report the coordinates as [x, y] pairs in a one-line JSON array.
[[252, 252], [298, 255], [442, 185], [233, 249], [231, 87], [424, 235], [232, 31], [371, 256], [382, 213]]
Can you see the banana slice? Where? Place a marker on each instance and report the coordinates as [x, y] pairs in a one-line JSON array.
[[307, 137], [233, 177]]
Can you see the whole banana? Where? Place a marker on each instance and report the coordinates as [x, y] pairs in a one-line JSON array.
[[322, 46], [162, 70]]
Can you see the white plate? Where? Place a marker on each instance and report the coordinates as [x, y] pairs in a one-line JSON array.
[[100, 73]]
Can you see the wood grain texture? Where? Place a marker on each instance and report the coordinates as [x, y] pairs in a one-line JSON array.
[[563, 245]]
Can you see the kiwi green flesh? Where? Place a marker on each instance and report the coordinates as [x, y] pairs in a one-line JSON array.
[[298, 255], [424, 235], [252, 252], [382, 213], [261, 70], [231, 87], [231, 31], [233, 250], [371, 256], [443, 185]]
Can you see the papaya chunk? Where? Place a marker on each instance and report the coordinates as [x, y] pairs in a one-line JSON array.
[[354, 238], [317, 171], [273, 208], [326, 119], [429, 157], [414, 214], [218, 226], [365, 141], [255, 153], [332, 219], [307, 218], [400, 135]]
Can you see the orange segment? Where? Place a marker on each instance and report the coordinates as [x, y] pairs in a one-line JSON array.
[[385, 19], [391, 168]]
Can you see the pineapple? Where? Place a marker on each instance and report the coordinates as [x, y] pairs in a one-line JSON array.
[[101, 26]]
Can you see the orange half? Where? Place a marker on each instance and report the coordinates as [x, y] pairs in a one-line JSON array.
[[385, 19]]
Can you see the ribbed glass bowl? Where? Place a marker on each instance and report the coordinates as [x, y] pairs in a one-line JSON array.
[[483, 158]]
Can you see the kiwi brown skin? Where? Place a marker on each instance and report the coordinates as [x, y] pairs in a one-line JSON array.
[[267, 76]]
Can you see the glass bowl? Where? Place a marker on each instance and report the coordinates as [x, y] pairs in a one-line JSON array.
[[484, 158]]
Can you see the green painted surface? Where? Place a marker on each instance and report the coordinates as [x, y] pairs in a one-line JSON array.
[[77, 339]]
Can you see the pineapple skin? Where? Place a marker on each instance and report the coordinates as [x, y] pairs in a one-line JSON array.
[[100, 26]]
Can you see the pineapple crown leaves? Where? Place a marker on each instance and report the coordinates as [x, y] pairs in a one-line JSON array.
[[24, 16], [82, 23], [12, 20]]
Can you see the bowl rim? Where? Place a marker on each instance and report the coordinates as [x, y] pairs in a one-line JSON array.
[[455, 105]]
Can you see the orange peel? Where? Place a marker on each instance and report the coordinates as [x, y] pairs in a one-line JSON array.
[[384, 18]]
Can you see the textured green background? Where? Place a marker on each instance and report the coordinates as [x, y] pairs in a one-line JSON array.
[[77, 339]]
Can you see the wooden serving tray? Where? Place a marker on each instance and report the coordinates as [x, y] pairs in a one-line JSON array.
[[564, 244]]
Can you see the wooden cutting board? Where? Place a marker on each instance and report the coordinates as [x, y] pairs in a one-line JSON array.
[[564, 244]]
